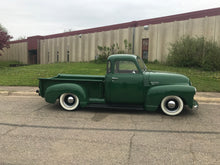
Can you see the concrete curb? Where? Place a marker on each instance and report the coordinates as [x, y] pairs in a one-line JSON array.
[[206, 99], [28, 93], [4, 93], [17, 93]]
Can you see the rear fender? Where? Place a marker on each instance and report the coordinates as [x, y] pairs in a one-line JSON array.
[[155, 95], [55, 91]]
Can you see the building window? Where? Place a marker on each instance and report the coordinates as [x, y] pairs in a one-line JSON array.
[[57, 56], [145, 47], [68, 56]]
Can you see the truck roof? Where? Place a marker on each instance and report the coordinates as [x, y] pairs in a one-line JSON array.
[[122, 56]]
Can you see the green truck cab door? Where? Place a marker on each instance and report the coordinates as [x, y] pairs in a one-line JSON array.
[[124, 83]]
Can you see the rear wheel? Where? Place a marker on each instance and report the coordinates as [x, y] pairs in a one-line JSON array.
[[69, 101], [172, 105]]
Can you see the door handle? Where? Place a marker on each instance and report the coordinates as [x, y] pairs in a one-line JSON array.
[[114, 78]]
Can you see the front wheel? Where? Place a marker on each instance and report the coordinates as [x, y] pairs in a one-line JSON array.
[[172, 105], [69, 101]]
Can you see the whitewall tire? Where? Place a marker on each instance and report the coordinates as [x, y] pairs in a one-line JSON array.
[[69, 101], [172, 105]]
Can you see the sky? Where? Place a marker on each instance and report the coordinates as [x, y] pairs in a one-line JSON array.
[[24, 18]]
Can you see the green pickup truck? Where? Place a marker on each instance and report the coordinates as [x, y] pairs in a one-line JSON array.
[[127, 83]]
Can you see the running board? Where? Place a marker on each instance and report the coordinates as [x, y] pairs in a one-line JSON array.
[[116, 106]]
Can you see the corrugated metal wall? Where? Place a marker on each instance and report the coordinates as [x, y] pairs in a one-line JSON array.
[[84, 47], [161, 35], [80, 47], [16, 52]]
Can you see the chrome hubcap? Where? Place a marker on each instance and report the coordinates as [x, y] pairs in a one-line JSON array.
[[171, 104], [70, 99]]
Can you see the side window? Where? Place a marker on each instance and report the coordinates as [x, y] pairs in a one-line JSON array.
[[125, 67], [108, 67]]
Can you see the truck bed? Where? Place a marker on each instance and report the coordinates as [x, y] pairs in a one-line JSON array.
[[92, 84], [88, 78]]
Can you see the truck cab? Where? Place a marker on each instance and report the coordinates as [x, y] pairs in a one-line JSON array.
[[125, 82]]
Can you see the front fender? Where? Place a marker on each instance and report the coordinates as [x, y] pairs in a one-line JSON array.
[[155, 95], [53, 92]]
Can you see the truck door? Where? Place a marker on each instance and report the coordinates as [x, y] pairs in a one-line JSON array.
[[125, 84]]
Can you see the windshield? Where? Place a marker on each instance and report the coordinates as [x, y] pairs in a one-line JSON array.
[[141, 64]]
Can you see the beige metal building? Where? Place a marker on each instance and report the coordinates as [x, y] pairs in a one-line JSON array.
[[150, 39]]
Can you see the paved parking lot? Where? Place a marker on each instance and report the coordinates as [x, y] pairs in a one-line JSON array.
[[35, 132]]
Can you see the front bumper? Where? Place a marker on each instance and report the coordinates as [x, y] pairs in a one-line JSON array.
[[195, 105]]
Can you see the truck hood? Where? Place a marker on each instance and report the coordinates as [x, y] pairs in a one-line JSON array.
[[163, 78]]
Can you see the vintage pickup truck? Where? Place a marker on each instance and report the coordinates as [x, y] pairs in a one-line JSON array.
[[127, 83]]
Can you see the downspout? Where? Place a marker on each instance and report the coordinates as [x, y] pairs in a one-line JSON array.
[[133, 39], [133, 36]]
